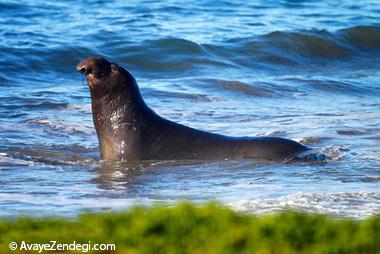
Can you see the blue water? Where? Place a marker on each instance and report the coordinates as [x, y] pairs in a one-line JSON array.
[[305, 70]]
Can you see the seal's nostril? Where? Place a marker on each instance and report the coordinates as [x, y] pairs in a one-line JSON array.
[[83, 70]]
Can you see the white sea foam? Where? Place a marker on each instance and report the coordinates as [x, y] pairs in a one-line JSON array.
[[66, 126], [333, 152], [83, 107], [6, 159], [28, 204], [348, 204], [277, 133]]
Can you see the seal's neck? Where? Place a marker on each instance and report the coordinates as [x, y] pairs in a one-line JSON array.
[[117, 117]]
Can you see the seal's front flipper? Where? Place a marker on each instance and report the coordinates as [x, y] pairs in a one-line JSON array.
[[312, 155], [309, 155], [315, 157]]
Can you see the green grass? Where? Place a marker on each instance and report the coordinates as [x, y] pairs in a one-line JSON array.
[[187, 228]]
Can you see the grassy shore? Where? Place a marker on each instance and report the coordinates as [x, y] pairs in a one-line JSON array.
[[186, 228]]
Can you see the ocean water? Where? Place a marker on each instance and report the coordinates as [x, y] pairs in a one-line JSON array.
[[304, 70]]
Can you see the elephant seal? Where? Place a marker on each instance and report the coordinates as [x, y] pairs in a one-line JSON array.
[[128, 130]]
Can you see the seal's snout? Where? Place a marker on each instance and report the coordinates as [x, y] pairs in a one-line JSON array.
[[84, 66], [82, 69], [94, 65]]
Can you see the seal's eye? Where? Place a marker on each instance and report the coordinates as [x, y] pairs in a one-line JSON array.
[[113, 67]]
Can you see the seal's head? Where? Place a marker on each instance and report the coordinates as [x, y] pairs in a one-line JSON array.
[[103, 75], [117, 106]]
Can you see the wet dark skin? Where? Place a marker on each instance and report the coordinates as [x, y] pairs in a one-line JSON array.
[[128, 130]]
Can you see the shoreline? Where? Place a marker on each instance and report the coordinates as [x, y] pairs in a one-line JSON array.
[[189, 228]]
